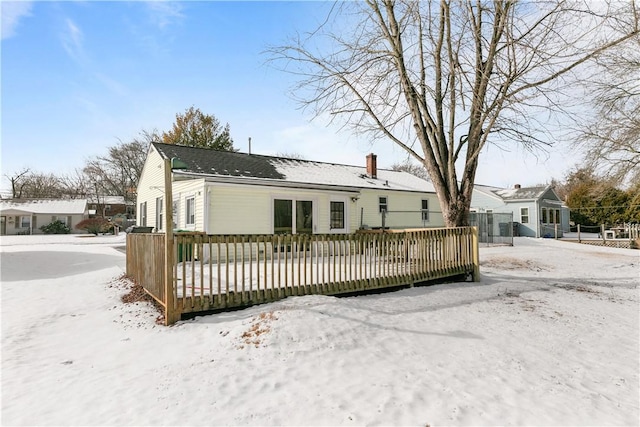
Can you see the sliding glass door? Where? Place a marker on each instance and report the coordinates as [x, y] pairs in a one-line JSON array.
[[285, 217]]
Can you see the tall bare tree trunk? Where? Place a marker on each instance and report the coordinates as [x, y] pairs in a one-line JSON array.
[[441, 79]]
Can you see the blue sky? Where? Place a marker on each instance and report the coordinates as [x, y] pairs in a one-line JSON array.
[[78, 77]]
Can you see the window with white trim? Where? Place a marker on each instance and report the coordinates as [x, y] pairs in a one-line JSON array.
[[545, 218], [190, 209], [524, 215], [337, 215], [159, 213], [383, 204], [425, 210], [62, 219], [143, 214], [292, 216], [176, 215], [25, 221]]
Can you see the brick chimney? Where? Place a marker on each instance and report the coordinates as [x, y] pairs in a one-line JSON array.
[[372, 165], [517, 186]]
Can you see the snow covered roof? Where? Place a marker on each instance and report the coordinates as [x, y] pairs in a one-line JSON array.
[[211, 163], [514, 194], [45, 206], [107, 200]]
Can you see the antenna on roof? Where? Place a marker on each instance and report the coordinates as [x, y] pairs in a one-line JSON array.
[[249, 145]]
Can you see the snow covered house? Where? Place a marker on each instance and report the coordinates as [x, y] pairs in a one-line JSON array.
[[223, 192], [26, 216], [538, 211]]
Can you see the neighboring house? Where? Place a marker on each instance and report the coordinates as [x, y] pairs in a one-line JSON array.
[[26, 216], [110, 206], [537, 210], [237, 193]]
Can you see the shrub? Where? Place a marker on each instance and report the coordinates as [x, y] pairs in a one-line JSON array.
[[56, 227], [94, 225]]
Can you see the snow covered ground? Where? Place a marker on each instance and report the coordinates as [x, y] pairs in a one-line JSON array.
[[549, 337]]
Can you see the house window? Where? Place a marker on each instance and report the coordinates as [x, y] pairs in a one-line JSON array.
[[285, 217], [25, 221], [282, 216], [304, 216], [524, 215], [382, 204], [159, 212], [425, 210], [552, 217], [143, 214], [191, 211], [62, 219], [337, 215]]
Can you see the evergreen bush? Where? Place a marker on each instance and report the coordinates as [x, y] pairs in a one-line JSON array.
[[56, 227]]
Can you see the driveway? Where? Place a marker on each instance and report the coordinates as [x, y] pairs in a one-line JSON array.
[[42, 264]]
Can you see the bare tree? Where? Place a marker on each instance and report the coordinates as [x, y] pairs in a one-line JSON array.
[[75, 185], [442, 78], [117, 173], [41, 186], [412, 168], [290, 155], [17, 182], [612, 137]]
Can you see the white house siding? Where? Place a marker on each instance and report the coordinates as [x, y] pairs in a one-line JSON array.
[[13, 222], [404, 210], [41, 212], [248, 209], [46, 219], [183, 190], [150, 186]]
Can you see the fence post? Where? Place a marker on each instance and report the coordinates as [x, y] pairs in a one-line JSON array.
[[579, 241], [556, 231], [171, 316], [476, 254], [602, 232]]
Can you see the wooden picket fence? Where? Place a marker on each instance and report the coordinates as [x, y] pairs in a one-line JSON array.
[[214, 272]]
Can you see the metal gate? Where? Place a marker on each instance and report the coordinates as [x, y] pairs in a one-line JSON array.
[[493, 228]]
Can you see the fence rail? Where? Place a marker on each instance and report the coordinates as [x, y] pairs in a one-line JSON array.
[[214, 272]]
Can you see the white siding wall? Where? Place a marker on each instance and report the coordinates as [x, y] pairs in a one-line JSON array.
[[244, 209], [238, 209], [183, 190], [150, 186], [39, 220], [409, 203]]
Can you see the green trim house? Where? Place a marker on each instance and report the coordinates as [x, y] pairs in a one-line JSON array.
[[223, 192], [538, 211]]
